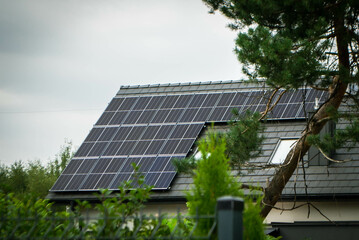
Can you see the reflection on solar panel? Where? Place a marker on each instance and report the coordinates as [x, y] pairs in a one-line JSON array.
[[151, 131]]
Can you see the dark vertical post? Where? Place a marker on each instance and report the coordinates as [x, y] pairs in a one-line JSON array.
[[229, 218]]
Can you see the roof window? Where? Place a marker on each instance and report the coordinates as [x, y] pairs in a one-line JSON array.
[[282, 149]]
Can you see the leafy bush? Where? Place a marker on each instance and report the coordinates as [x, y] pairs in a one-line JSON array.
[[213, 179]]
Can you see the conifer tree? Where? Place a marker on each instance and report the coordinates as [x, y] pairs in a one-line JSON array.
[[291, 44]]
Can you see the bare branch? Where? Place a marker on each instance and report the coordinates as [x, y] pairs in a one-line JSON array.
[[331, 159], [251, 187], [268, 106], [319, 88]]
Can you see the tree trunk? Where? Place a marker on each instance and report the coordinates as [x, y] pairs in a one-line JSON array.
[[316, 123]]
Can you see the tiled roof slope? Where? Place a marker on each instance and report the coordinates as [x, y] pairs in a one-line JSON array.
[[336, 179]]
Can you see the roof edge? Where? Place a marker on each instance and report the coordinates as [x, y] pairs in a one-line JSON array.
[[189, 87]]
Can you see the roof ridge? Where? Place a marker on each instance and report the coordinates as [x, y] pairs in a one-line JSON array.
[[183, 84]]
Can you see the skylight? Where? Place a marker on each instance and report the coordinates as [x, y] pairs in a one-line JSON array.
[[282, 149]]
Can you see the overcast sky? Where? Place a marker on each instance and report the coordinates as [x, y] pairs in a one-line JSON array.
[[62, 61]]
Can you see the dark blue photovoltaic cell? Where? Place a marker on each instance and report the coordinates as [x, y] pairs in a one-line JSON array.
[[105, 118], [291, 111], [189, 114], [72, 166], [104, 181], [145, 164], [132, 117], [159, 164], [126, 148], [152, 130], [183, 101], [202, 115], [61, 182], [151, 178], [193, 131], [86, 166], [146, 116], [160, 116], [84, 149], [170, 167], [141, 103], [226, 99], [97, 149], [165, 131], [127, 167], [141, 147], [170, 101], [114, 104], [102, 164], [128, 103], [164, 179], [184, 146], [94, 134], [115, 165], [154, 147], [117, 118], [75, 182], [112, 148], [278, 110], [155, 102], [91, 181], [197, 100], [136, 133], [239, 99], [107, 134], [217, 114], [174, 115], [179, 131], [122, 133], [211, 100], [170, 147], [119, 179]]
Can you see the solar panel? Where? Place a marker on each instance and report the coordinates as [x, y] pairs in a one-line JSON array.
[[152, 130]]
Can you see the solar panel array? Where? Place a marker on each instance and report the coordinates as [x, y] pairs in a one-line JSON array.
[[151, 131]]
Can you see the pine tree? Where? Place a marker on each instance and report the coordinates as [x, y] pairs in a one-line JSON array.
[[291, 44]]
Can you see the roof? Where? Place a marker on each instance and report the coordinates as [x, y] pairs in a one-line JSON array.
[[103, 148]]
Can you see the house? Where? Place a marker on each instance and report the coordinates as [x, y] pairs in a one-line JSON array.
[[153, 124]]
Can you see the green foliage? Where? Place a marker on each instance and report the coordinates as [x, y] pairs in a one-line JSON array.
[[119, 217], [346, 137], [275, 60], [33, 179], [242, 142], [212, 179], [39, 179], [58, 165], [13, 213], [185, 165], [18, 178], [179, 226], [291, 43], [252, 221], [243, 139]]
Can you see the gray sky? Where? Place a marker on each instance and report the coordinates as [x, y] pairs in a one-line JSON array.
[[62, 61]]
